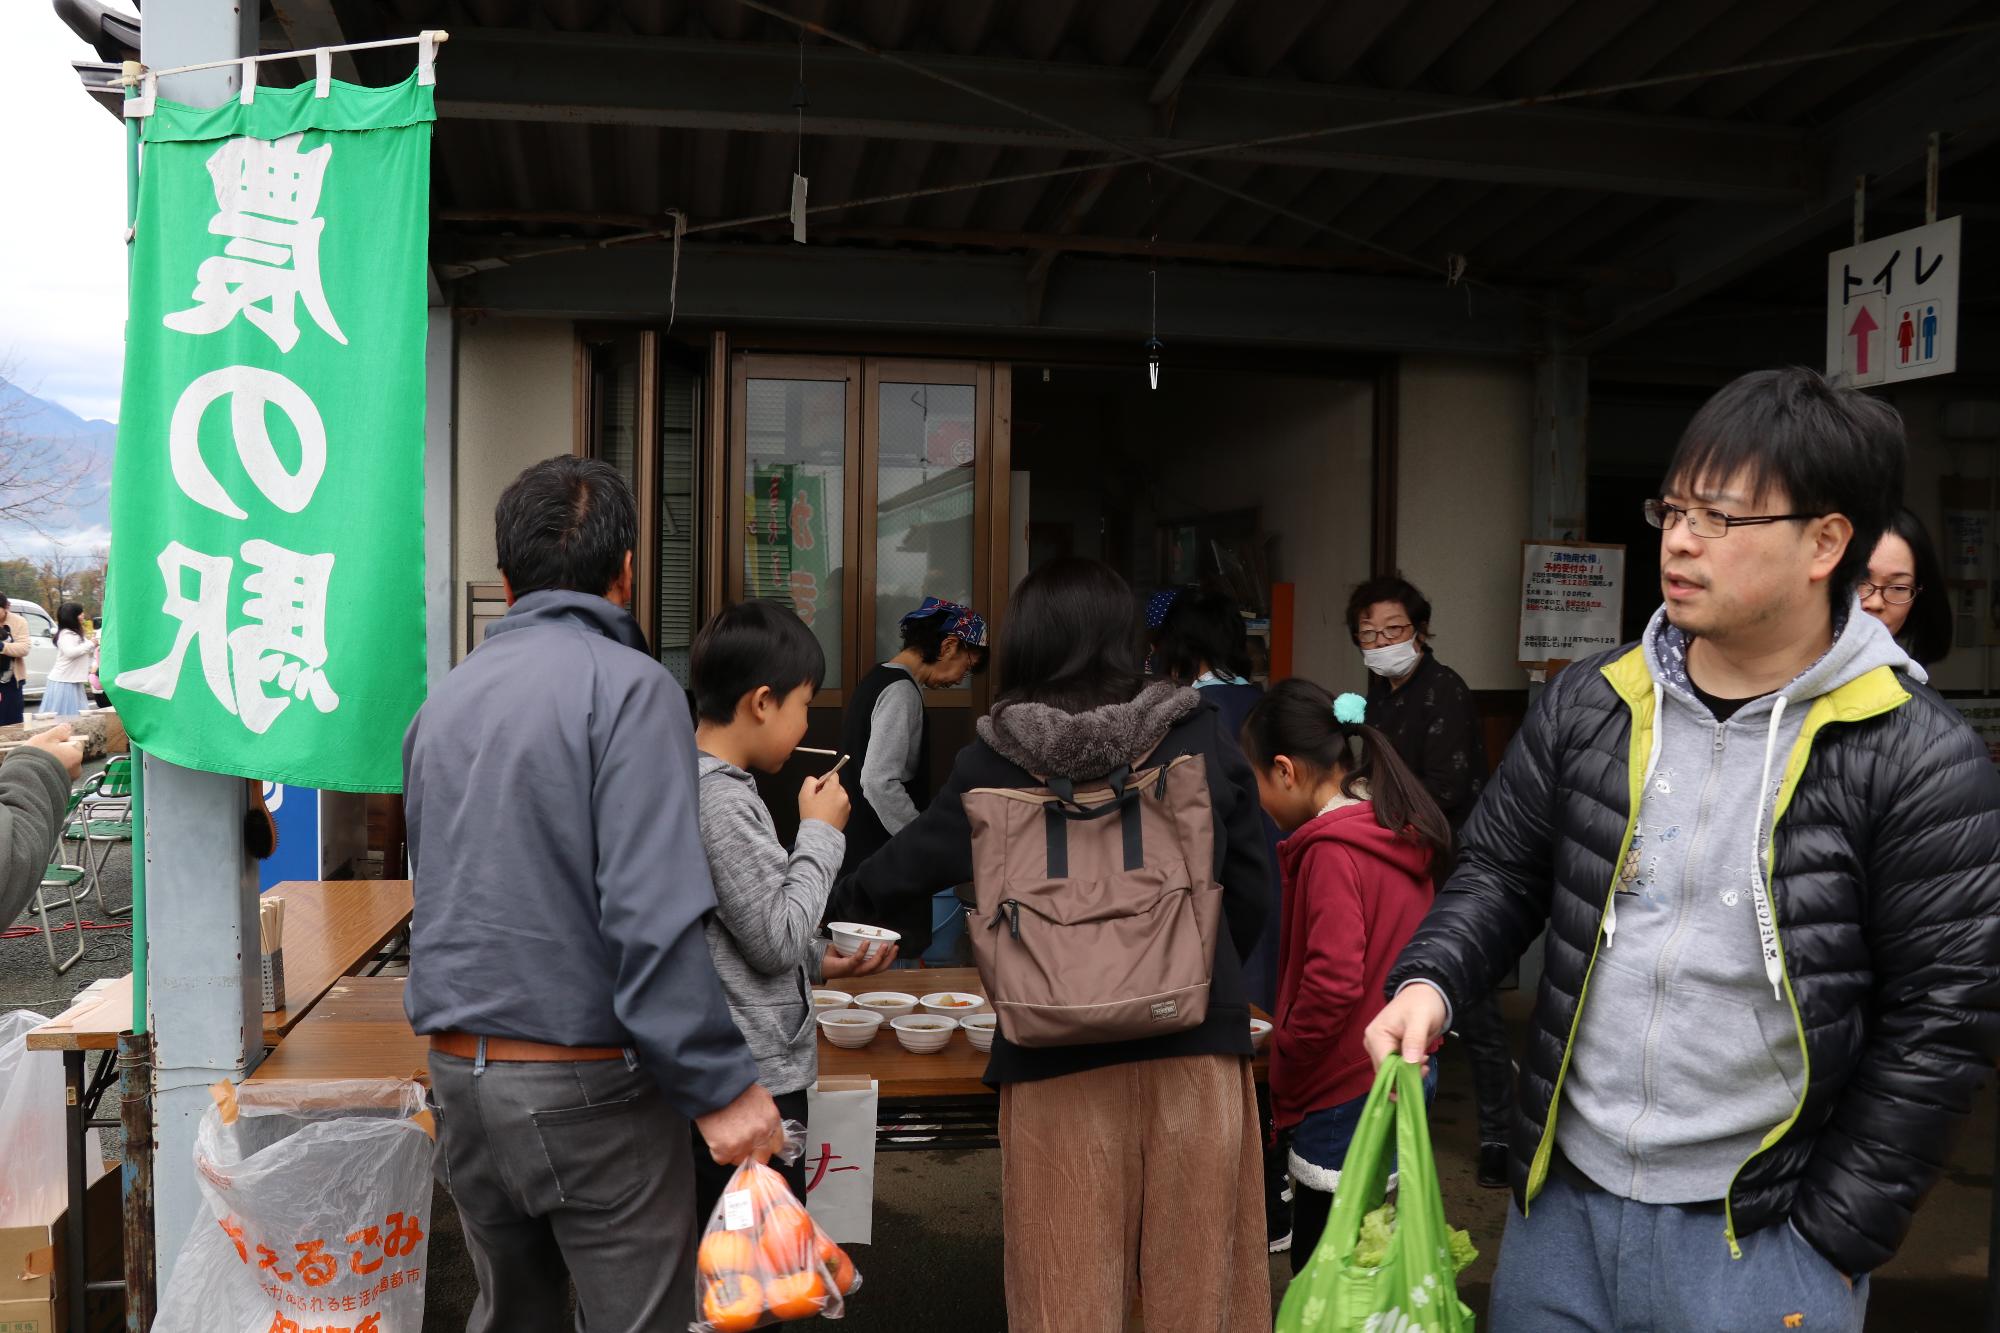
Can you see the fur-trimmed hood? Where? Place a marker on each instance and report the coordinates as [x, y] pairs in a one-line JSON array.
[[1049, 742]]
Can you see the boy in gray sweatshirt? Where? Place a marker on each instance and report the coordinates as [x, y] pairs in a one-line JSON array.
[[755, 668]]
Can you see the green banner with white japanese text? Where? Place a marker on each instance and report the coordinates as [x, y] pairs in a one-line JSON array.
[[265, 612]]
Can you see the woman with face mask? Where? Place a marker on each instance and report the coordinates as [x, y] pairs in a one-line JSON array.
[[1426, 711]]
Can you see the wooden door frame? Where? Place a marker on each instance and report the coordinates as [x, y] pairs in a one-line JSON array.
[[745, 366]]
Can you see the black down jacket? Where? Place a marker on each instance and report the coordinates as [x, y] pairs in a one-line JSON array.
[[1886, 888]]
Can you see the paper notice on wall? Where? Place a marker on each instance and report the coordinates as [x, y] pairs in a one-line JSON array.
[[1572, 600], [1983, 716]]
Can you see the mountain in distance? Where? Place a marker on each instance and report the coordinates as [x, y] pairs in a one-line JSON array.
[[82, 522]]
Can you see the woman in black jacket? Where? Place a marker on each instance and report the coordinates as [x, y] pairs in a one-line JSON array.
[[1104, 1144]]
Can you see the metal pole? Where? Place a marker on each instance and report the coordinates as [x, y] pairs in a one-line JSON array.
[[1931, 176], [202, 910], [135, 1182], [76, 1278], [1860, 208]]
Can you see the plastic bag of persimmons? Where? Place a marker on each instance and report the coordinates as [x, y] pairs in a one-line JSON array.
[[763, 1260]]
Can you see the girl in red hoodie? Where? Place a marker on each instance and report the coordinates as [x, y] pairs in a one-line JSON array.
[[1362, 837]]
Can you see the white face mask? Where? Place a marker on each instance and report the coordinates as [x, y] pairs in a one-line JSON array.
[[1394, 661]]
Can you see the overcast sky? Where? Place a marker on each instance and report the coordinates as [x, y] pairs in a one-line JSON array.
[[62, 219]]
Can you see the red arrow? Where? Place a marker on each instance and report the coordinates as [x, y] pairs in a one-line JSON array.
[[1864, 324]]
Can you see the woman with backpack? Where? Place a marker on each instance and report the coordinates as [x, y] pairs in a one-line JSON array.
[[1362, 839], [1128, 1159]]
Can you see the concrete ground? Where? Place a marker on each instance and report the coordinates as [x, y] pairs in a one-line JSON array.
[[935, 1264]]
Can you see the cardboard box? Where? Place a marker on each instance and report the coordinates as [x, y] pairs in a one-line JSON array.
[[32, 1299]]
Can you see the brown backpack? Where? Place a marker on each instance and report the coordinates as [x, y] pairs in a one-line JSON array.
[[1095, 912]]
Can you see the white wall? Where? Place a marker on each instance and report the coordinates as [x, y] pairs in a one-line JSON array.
[[516, 385], [1463, 444]]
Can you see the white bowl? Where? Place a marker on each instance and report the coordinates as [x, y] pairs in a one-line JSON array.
[[923, 1034], [850, 938], [850, 1029], [979, 1030], [824, 1000], [890, 1004], [953, 1003], [1260, 1031]]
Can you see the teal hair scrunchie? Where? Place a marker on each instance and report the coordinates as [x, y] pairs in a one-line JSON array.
[[1350, 710]]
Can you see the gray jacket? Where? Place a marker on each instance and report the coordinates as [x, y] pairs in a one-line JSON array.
[[560, 885], [34, 796], [762, 933], [1686, 1051]]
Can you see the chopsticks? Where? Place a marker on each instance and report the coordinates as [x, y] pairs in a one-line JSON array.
[[271, 924]]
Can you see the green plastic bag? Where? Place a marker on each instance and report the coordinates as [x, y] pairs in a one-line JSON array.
[[1415, 1288]]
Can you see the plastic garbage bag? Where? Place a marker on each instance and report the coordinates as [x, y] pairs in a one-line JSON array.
[[34, 1156], [763, 1260], [1409, 1282], [317, 1211]]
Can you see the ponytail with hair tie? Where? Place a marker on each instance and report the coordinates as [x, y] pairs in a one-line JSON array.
[[1350, 710]]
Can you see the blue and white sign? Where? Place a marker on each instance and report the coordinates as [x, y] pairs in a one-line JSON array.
[[295, 810]]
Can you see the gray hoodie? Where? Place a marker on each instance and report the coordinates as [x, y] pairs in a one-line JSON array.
[[1687, 1052], [762, 931]]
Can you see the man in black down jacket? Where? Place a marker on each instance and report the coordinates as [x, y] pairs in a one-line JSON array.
[[1765, 853]]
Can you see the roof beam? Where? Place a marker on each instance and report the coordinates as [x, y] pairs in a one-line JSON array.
[[1083, 197], [310, 24], [1883, 139], [1187, 44], [830, 287], [501, 74]]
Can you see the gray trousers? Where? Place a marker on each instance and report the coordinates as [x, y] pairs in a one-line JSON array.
[[1584, 1261], [569, 1171]]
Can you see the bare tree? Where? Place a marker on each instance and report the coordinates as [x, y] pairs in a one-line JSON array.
[[60, 575], [40, 475]]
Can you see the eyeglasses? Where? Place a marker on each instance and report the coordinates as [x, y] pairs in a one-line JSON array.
[[1710, 522], [1369, 638], [1895, 594]]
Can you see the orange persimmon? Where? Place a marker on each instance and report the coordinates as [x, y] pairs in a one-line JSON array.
[[786, 1236], [733, 1304], [724, 1252], [796, 1295], [838, 1265]]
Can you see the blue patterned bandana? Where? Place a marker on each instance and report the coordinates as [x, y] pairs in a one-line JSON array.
[[960, 622]]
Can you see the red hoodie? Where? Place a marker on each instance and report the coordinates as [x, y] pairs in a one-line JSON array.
[[1354, 893]]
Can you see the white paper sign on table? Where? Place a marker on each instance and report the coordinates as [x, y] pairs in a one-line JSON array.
[[840, 1157]]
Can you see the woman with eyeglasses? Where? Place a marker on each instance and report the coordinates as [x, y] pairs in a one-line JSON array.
[[1904, 589], [1426, 711]]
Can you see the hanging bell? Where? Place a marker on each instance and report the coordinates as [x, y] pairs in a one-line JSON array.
[[1153, 349]]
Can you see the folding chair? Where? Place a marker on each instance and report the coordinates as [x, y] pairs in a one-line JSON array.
[[104, 822], [63, 877]]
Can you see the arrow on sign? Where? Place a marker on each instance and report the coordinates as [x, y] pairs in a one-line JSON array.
[[1864, 325]]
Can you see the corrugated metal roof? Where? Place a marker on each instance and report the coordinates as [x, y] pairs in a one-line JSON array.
[[554, 177]]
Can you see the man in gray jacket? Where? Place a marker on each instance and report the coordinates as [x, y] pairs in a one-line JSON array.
[[557, 960]]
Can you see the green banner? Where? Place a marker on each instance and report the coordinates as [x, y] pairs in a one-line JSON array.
[[266, 603]]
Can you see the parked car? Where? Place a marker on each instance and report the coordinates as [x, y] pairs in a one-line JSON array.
[[41, 646]]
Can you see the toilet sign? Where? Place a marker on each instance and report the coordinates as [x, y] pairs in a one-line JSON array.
[[1892, 306]]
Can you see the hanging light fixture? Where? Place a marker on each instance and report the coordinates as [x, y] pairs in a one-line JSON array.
[[1153, 344]]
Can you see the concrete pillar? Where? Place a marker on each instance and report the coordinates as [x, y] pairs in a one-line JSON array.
[[1560, 462], [1559, 469], [201, 934], [440, 463]]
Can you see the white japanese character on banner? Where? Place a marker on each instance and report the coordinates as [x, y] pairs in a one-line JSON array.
[[287, 610], [204, 623], [266, 194], [284, 641], [249, 390]]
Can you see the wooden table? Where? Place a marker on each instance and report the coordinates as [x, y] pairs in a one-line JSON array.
[[358, 1031], [331, 928]]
